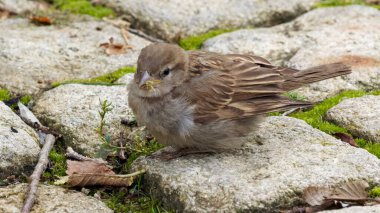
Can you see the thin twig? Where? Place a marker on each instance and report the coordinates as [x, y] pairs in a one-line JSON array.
[[289, 112], [35, 177], [70, 153], [143, 35], [121, 143]]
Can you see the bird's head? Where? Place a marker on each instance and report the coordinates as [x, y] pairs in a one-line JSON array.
[[160, 68]]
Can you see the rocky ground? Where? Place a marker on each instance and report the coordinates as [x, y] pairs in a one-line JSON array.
[[64, 72]]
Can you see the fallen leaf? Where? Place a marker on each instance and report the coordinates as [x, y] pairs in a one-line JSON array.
[[373, 2], [42, 20], [351, 191], [92, 179], [112, 48], [315, 196], [4, 14], [345, 138], [80, 167]]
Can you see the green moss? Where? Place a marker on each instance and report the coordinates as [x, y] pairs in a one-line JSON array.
[[58, 164], [25, 99], [107, 79], [335, 3], [195, 42], [371, 147], [136, 201], [314, 117], [4, 95], [295, 96], [375, 192], [83, 7]]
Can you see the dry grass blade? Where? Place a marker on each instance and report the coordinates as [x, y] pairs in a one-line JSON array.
[[91, 179], [117, 22], [316, 196]]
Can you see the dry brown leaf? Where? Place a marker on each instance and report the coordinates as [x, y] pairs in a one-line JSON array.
[[80, 167], [315, 196], [112, 48], [345, 138], [42, 20], [373, 2], [91, 179], [4, 14], [351, 191]]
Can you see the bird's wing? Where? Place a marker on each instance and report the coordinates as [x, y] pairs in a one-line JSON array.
[[235, 86]]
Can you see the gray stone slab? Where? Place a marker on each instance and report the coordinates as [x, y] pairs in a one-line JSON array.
[[284, 157], [19, 148], [33, 56], [361, 116]]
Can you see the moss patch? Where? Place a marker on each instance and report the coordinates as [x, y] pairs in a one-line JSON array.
[[83, 7], [58, 167], [107, 79], [315, 118], [133, 201], [195, 42], [4, 95], [335, 3], [375, 192]]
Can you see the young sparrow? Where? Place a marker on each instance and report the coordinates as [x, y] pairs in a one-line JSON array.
[[207, 102]]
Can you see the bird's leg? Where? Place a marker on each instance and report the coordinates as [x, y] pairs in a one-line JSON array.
[[170, 155]]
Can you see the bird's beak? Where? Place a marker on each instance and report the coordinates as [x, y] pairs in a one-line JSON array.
[[147, 83], [144, 78]]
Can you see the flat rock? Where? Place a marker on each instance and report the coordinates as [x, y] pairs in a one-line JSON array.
[[19, 147], [72, 109], [21, 6], [126, 79], [172, 19], [356, 209], [340, 34], [269, 173], [361, 116], [50, 199], [59, 53]]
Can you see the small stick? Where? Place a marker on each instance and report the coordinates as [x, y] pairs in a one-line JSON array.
[[142, 34], [35, 177], [70, 153]]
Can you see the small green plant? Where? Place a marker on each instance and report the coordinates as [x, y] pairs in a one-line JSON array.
[[195, 42], [105, 107], [375, 192], [83, 7], [107, 79], [4, 95]]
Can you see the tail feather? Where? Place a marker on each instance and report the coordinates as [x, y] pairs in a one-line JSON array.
[[300, 78]]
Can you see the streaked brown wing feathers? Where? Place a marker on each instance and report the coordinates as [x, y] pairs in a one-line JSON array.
[[236, 86]]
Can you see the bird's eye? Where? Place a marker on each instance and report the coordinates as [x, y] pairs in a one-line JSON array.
[[166, 72]]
